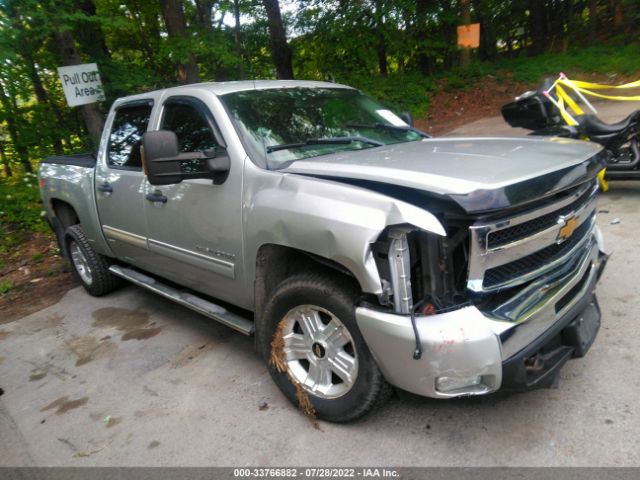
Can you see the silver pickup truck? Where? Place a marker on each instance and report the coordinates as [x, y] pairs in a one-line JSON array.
[[361, 254]]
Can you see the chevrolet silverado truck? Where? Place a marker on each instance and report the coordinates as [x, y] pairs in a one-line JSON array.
[[362, 254]]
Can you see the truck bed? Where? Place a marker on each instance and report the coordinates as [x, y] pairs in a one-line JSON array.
[[79, 160]]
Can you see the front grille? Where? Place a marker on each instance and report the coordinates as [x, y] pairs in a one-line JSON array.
[[564, 301], [530, 263], [531, 227]]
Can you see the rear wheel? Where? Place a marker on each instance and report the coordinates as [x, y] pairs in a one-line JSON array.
[[316, 353], [89, 267]]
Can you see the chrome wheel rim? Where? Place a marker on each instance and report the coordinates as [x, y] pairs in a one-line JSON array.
[[319, 351], [80, 263]]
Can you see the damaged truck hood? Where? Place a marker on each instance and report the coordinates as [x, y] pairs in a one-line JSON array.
[[479, 174]]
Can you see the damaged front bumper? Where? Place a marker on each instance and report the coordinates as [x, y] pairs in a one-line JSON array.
[[471, 352]]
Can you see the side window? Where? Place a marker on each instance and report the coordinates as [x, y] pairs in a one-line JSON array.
[[190, 125], [125, 138]]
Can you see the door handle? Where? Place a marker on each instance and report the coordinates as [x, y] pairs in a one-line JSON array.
[[105, 188], [156, 196]]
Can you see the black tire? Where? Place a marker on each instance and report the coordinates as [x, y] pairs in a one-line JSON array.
[[338, 296], [102, 280]]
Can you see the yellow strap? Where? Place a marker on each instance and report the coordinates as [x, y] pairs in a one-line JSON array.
[[604, 185], [635, 98], [570, 102], [568, 119], [574, 83], [600, 86]]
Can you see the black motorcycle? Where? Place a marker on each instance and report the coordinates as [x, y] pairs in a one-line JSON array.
[[537, 112]]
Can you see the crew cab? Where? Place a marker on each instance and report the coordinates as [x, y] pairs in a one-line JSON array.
[[362, 254]]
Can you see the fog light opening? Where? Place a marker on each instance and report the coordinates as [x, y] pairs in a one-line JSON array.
[[470, 384]]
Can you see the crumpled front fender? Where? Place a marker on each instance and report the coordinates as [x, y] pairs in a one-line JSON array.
[[330, 219]]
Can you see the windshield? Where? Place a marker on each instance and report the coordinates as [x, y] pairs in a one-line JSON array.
[[288, 124]]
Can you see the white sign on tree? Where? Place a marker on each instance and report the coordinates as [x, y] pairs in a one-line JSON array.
[[81, 84]]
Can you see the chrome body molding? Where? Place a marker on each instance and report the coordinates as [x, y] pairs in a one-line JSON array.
[[206, 262], [115, 234], [469, 342], [485, 257]]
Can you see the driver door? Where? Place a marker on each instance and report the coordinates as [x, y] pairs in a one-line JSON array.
[[195, 232]]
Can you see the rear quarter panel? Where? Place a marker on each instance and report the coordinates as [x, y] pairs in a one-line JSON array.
[[74, 185]]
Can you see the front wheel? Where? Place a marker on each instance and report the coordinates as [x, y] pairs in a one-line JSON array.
[[316, 353], [89, 267]]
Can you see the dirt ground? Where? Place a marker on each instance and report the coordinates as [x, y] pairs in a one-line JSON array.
[[450, 109], [37, 277]]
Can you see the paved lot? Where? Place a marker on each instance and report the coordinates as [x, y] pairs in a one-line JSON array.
[[132, 379]]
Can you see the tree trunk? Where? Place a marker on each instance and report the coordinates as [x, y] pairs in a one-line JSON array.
[[381, 46], [92, 43], [90, 112], [465, 6], [173, 15], [570, 24], [618, 16], [43, 98], [536, 27], [593, 21], [203, 14], [12, 115], [5, 162], [421, 36], [236, 35], [280, 50], [90, 36]]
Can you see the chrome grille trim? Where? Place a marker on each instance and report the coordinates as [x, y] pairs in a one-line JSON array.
[[484, 258], [521, 230]]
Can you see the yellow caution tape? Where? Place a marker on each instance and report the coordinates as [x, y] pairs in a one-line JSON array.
[[601, 86], [570, 102], [604, 185], [568, 119], [575, 84]]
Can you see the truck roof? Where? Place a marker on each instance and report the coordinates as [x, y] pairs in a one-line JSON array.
[[222, 88]]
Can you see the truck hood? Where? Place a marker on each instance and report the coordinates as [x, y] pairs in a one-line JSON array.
[[480, 174]]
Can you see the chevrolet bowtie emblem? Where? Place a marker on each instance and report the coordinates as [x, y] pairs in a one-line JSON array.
[[569, 227]]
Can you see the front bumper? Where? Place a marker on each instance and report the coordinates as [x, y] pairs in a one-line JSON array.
[[468, 352]]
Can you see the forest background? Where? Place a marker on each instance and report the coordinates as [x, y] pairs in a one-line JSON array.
[[403, 52]]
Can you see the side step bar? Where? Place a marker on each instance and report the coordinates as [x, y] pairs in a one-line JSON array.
[[189, 300]]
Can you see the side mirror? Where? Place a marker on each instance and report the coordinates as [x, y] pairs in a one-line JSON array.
[[407, 118], [165, 165]]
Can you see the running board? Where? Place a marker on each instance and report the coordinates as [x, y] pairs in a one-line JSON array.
[[189, 300]]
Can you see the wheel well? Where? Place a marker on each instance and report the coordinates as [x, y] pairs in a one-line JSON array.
[[275, 263], [65, 216], [65, 213]]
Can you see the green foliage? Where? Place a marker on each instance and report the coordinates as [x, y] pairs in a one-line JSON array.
[[37, 257], [395, 50], [611, 58], [20, 203], [5, 287], [401, 93]]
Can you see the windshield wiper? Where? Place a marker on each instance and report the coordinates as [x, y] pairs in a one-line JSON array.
[[387, 126], [325, 141]]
